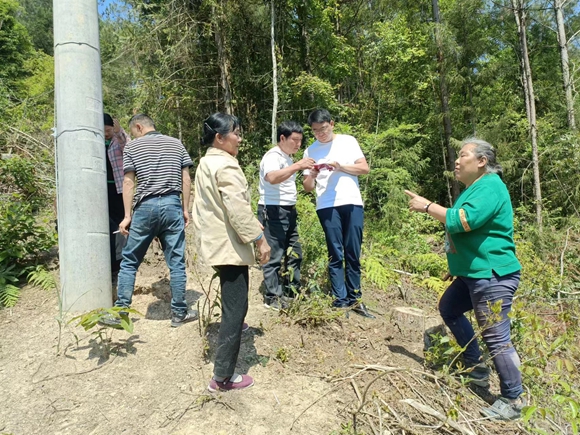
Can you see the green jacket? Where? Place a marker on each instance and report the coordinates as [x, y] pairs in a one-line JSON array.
[[479, 231]]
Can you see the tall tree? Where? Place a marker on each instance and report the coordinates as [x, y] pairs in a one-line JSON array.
[[520, 14], [444, 95], [274, 70], [224, 62], [36, 15], [565, 62], [15, 50]]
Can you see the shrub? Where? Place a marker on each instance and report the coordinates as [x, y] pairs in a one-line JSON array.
[[314, 268], [22, 238]]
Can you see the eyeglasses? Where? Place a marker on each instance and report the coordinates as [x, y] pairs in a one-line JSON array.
[[322, 129]]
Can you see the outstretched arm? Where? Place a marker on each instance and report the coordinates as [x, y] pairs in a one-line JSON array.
[[420, 204]]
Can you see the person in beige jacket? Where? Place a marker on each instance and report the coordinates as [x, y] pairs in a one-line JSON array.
[[225, 230]]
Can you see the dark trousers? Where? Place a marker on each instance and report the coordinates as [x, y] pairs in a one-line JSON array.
[[234, 291], [116, 215], [482, 295], [343, 228], [281, 232]]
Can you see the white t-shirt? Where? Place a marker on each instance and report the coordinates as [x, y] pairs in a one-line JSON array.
[[335, 188], [283, 193]]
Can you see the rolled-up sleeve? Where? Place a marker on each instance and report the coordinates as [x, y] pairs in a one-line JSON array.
[[473, 213], [233, 189]]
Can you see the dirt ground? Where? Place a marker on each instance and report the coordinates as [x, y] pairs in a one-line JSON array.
[[307, 380]]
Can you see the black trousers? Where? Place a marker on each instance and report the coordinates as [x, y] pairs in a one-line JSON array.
[[116, 215], [281, 232], [234, 288]]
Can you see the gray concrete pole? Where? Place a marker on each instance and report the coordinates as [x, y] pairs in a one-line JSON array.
[[83, 222]]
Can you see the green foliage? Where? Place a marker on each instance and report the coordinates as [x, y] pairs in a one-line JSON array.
[[18, 176], [442, 350], [315, 255], [93, 318], [312, 311], [42, 278], [22, 239], [15, 44], [430, 263], [309, 89], [377, 272], [539, 277], [23, 236], [282, 355], [549, 349], [37, 18], [9, 293]]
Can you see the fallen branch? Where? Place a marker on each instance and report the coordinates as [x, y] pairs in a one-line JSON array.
[[430, 411], [402, 272]]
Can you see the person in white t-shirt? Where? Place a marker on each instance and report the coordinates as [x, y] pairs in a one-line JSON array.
[[277, 214], [339, 162]]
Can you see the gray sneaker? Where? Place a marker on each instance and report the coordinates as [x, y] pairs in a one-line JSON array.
[[276, 303], [190, 316], [479, 375], [505, 409]]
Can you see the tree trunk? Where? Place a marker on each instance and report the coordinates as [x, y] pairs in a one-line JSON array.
[[563, 43], [451, 157], [305, 36], [520, 17], [223, 58], [274, 72], [179, 130]]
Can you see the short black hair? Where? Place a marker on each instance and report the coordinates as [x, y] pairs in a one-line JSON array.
[[141, 118], [287, 128], [319, 116], [108, 119], [221, 123]]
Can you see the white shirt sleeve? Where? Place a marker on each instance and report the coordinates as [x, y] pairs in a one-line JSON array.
[[271, 162], [305, 172], [355, 151]]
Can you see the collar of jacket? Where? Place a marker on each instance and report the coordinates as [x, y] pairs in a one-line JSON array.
[[213, 151]]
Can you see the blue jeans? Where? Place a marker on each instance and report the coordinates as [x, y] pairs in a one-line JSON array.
[[343, 228], [480, 295], [162, 217], [281, 232]]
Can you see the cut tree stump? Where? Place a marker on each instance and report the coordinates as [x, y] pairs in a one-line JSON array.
[[415, 324]]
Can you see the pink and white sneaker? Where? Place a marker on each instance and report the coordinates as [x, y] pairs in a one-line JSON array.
[[242, 381]]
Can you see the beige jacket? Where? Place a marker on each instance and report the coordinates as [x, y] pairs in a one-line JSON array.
[[224, 224]]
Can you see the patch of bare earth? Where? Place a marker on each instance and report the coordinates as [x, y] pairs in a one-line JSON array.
[[353, 372]]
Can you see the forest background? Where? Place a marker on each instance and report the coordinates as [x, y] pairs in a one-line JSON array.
[[409, 79]]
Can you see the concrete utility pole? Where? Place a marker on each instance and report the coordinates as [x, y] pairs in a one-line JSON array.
[[83, 223]]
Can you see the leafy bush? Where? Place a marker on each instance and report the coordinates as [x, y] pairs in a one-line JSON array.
[[22, 234], [9, 293], [316, 310], [18, 177], [22, 238], [315, 255]]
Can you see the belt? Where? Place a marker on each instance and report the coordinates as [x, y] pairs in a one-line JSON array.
[[286, 207], [145, 198]]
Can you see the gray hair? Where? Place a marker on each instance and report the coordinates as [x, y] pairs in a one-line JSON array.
[[485, 149], [142, 119]]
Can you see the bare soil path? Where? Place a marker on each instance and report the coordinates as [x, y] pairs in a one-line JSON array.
[[155, 381]]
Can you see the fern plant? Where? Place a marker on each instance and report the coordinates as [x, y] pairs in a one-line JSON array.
[[42, 278], [9, 293], [376, 272]]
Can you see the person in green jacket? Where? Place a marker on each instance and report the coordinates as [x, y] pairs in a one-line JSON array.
[[481, 256]]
